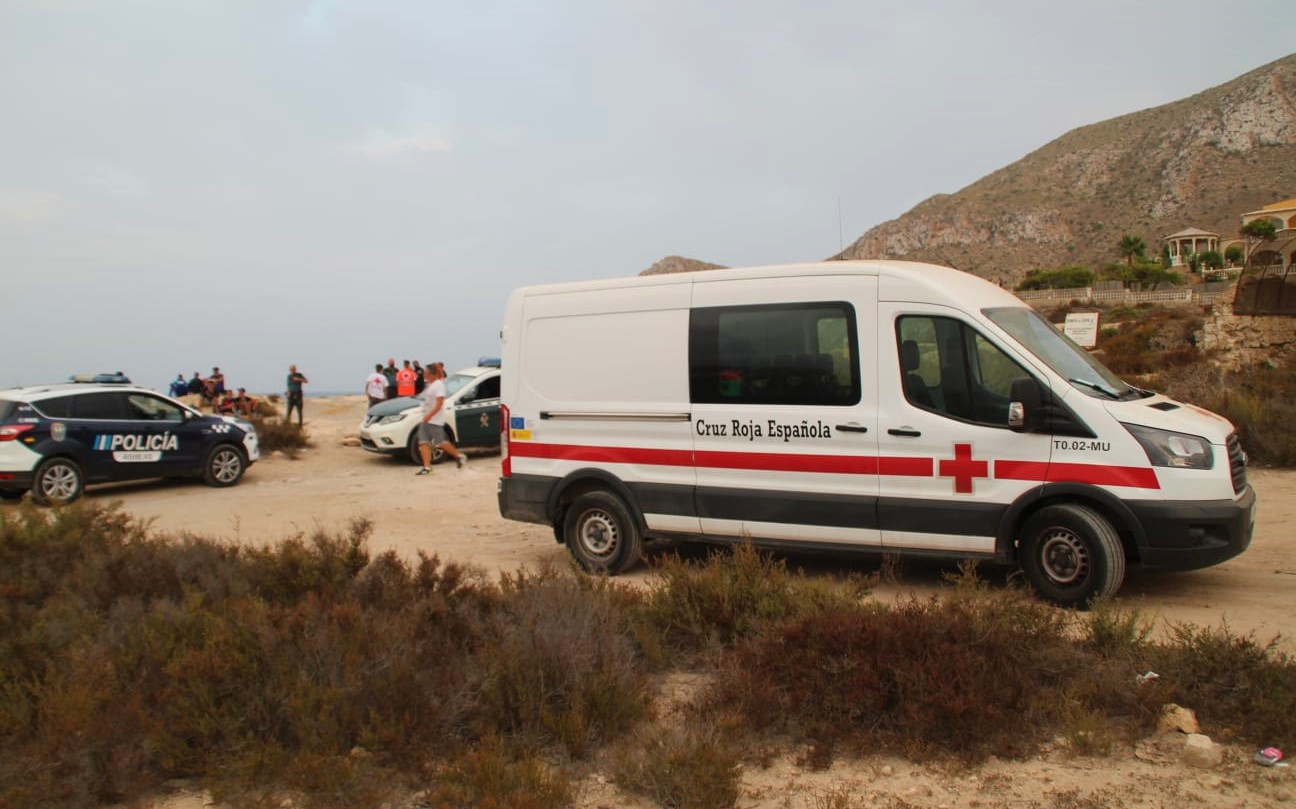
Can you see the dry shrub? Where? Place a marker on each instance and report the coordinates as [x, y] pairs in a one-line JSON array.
[[1239, 687], [971, 675], [493, 776], [275, 434], [692, 766], [561, 667], [1157, 339], [733, 594]]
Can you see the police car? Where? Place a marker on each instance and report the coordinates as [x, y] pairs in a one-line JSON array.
[[56, 439], [472, 415]]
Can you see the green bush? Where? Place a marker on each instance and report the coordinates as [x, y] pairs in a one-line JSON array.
[[1065, 278]]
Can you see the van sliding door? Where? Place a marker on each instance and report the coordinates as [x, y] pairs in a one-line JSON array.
[[784, 409]]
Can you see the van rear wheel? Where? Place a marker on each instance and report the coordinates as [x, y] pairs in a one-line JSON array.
[[601, 534], [1072, 555]]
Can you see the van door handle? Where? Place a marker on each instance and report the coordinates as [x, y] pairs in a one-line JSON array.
[[852, 427], [907, 432]]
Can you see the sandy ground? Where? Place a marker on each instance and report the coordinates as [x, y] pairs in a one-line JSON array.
[[453, 514]]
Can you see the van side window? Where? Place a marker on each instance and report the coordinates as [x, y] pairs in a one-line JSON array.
[[948, 368], [780, 354]]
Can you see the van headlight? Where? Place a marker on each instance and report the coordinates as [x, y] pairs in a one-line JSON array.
[[393, 418], [1175, 450]]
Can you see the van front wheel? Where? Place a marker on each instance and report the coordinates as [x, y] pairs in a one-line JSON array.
[[600, 533], [1072, 555]]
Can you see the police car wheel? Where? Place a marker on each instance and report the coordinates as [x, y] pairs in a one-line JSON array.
[[57, 481], [1072, 555], [224, 466], [600, 533]]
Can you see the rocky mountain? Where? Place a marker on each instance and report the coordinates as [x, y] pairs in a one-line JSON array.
[[680, 264], [1199, 162]]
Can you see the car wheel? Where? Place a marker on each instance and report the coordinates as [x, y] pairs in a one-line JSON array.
[[57, 481], [1072, 555], [601, 534], [224, 465], [412, 446]]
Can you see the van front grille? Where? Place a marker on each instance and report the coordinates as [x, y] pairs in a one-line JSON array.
[[1237, 463]]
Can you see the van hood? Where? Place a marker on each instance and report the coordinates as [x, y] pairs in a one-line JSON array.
[[1163, 413]]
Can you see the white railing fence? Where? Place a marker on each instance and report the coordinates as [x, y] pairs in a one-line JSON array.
[[1122, 296]]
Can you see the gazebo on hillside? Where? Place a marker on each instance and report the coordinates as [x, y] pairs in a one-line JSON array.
[[1189, 242]]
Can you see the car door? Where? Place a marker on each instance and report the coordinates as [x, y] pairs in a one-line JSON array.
[[100, 426], [477, 414], [947, 452], [175, 442]]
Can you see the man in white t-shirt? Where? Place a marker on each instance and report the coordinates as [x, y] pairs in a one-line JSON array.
[[431, 429], [376, 386]]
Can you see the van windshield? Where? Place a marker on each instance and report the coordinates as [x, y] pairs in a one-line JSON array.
[[1058, 352]]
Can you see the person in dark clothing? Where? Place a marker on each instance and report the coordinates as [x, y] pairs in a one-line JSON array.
[[390, 373], [196, 384], [294, 393]]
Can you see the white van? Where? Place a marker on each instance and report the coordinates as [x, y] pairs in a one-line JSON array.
[[882, 405]]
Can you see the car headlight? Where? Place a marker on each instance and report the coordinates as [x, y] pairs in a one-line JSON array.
[[393, 418], [1175, 450]]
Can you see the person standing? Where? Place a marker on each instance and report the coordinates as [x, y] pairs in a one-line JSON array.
[[405, 380], [294, 393], [419, 381], [431, 430], [376, 385], [390, 373]]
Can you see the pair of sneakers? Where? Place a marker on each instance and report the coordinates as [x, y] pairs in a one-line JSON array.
[[460, 461]]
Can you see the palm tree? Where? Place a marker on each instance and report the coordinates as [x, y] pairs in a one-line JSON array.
[[1131, 246]]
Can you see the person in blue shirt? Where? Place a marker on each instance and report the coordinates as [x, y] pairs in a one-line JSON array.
[[179, 387]]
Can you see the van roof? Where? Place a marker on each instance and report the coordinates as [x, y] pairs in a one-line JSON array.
[[899, 280]]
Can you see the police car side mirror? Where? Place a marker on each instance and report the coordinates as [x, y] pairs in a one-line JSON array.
[[1026, 406]]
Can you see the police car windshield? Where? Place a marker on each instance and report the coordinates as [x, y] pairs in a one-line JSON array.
[[1054, 349]]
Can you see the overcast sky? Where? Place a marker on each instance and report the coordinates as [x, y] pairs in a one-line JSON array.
[[252, 183]]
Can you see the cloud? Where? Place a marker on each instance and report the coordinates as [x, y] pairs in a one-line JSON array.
[[118, 182], [378, 145], [30, 205]]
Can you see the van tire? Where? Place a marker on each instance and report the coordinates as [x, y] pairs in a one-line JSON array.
[[57, 481], [1072, 555], [601, 534]]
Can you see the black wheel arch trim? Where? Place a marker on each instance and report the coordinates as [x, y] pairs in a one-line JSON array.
[[554, 507], [1127, 526]]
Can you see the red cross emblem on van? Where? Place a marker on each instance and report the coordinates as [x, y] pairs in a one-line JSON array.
[[963, 469]]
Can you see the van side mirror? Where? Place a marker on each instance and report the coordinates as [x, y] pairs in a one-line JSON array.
[[1026, 408]]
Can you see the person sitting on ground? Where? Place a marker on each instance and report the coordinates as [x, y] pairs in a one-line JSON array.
[[179, 387], [243, 404], [196, 385]]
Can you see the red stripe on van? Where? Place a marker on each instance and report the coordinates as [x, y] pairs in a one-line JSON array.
[[576, 452], [1136, 477], [766, 461]]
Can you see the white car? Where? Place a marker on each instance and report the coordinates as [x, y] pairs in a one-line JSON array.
[[472, 416]]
